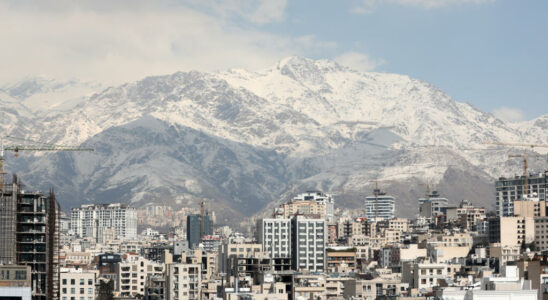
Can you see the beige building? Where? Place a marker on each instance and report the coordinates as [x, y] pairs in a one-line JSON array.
[[529, 208], [504, 254], [541, 233], [132, 275], [386, 284], [183, 281], [81, 258], [310, 287], [15, 276], [426, 275], [228, 250], [304, 207], [77, 284], [341, 260], [514, 231]]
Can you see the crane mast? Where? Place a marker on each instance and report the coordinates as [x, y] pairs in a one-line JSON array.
[[524, 156]]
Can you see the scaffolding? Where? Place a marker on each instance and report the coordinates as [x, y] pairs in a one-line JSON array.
[[8, 213], [29, 235]]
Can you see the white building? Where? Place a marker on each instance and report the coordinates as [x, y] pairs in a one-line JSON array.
[[183, 281], [508, 287], [379, 206], [77, 284], [308, 241], [133, 272], [93, 220], [322, 198], [275, 236], [16, 292]]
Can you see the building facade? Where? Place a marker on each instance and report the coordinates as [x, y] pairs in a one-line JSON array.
[[98, 220], [29, 224], [379, 206], [194, 230], [308, 240], [275, 236], [510, 189]]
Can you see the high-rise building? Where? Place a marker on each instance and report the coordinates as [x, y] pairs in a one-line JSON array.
[[275, 236], [510, 189], [96, 220], [432, 206], [308, 240], [194, 230], [28, 232], [379, 206]]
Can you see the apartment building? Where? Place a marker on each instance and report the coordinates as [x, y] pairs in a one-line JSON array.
[[275, 236], [97, 220], [77, 284], [510, 189], [132, 274], [308, 237], [183, 281]]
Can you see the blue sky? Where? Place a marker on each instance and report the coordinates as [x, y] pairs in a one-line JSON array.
[[490, 53]]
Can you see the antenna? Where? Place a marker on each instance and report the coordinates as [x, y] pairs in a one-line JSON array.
[[202, 213]]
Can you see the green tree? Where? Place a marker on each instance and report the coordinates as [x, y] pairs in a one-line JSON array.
[[106, 290]]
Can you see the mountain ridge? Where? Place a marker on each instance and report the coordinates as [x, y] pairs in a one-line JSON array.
[[325, 126]]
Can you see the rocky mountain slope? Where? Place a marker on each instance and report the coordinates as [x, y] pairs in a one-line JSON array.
[[246, 140]]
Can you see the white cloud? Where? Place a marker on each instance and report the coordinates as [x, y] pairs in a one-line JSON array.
[[368, 6], [509, 114], [359, 61], [119, 41], [255, 11]]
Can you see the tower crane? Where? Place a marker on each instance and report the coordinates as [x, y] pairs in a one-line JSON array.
[[29, 145], [524, 156]]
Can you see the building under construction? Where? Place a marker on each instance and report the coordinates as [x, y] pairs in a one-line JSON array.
[[29, 236], [509, 190]]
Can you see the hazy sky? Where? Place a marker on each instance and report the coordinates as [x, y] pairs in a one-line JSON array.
[[490, 53]]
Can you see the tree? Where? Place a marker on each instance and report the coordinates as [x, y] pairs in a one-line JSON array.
[[106, 290]]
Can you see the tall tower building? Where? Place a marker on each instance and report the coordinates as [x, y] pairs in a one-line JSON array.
[[510, 189], [194, 230], [379, 206], [29, 236], [308, 244]]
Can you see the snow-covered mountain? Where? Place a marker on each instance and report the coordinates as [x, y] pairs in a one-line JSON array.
[[246, 139]]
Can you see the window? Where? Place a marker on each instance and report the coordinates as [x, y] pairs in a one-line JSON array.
[[64, 281], [90, 281], [73, 281], [82, 291], [72, 290], [90, 291], [82, 281]]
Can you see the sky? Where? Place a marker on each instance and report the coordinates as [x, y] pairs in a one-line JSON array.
[[492, 54]]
